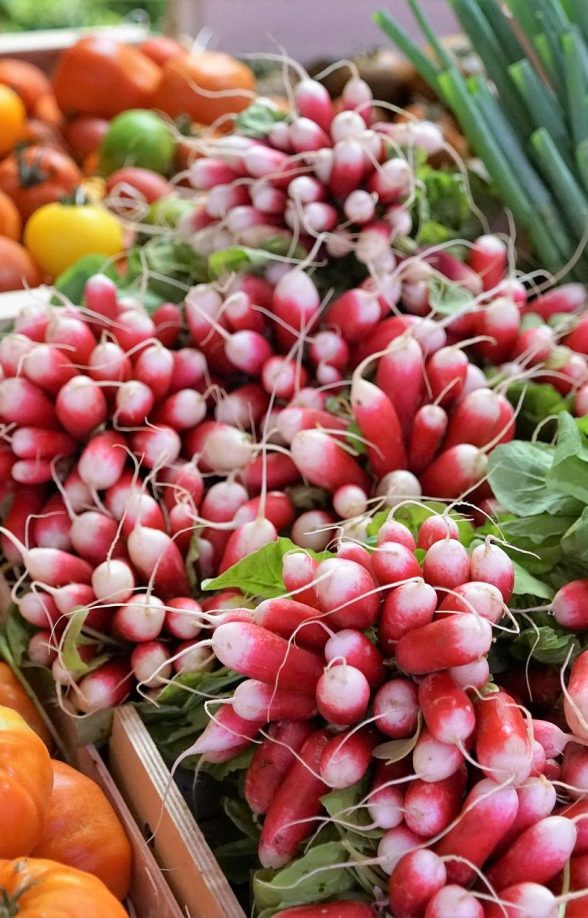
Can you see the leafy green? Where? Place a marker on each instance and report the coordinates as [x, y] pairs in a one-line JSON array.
[[518, 475], [168, 267], [17, 633], [536, 402], [442, 208], [448, 298], [350, 815], [545, 641], [313, 877], [258, 119], [72, 640], [526, 584], [72, 281]]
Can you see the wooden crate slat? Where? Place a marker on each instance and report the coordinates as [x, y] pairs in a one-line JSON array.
[[179, 846]]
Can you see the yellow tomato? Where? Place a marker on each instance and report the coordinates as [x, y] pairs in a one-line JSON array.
[[57, 235], [12, 119]]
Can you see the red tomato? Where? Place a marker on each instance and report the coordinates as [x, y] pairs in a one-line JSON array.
[[161, 49], [83, 135]]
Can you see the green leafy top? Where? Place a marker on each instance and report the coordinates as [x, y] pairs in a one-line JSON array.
[[258, 119]]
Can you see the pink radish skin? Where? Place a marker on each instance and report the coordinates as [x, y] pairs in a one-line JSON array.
[[503, 745], [537, 800], [437, 528], [357, 650], [385, 805], [318, 457], [259, 654], [313, 101], [313, 530], [154, 368], [474, 419], [156, 447], [109, 363], [133, 403], [475, 597], [253, 700], [192, 657], [446, 373], [551, 737], [30, 501], [183, 618], [447, 710], [150, 665], [353, 314], [346, 592], [400, 375], [278, 510], [181, 480], [283, 376], [500, 320], [408, 606], [392, 563], [272, 760], [488, 258], [40, 650], [244, 407], [446, 564], [395, 708], [525, 899], [575, 770], [277, 472], [486, 805], [189, 369], [140, 619], [296, 302], [104, 688], [32, 471], [346, 758], [222, 501], [394, 845], [168, 322], [329, 347], [452, 641], [39, 609], [471, 675], [225, 736], [113, 581], [291, 618], [426, 436], [414, 880], [434, 761], [430, 807], [342, 695], [537, 855], [569, 605], [73, 335], [379, 423], [100, 295], [102, 461], [455, 471], [295, 418], [36, 443], [157, 558], [343, 909], [246, 539], [45, 366], [24, 404], [93, 535], [291, 814], [13, 349], [576, 699], [455, 901], [491, 564], [248, 351], [392, 531], [52, 527], [53, 567], [69, 597]]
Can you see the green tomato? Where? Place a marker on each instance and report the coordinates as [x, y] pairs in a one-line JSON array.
[[137, 138], [168, 211]]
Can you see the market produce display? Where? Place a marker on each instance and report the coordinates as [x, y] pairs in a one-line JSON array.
[[302, 476]]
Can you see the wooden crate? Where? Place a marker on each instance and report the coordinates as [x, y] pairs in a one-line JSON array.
[[179, 846]]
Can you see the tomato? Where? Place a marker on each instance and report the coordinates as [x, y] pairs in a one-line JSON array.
[[17, 268], [47, 109], [161, 49], [212, 71], [57, 235], [97, 842], [41, 133], [37, 176], [31, 888], [100, 76], [134, 185], [14, 696], [12, 118], [137, 138], [83, 135], [27, 80], [26, 779], [10, 221]]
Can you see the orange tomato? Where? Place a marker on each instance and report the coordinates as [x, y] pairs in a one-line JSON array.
[[27, 80], [12, 118], [83, 135], [211, 71], [83, 831], [10, 226], [100, 76], [17, 268], [37, 175], [91, 164], [162, 49], [26, 779], [13, 695], [31, 887], [46, 109]]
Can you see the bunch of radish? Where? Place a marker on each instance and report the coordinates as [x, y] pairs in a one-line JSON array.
[[463, 783]]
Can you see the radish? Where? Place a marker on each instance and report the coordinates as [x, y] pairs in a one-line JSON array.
[[150, 664], [51, 566], [298, 573], [32, 471], [246, 539], [296, 418], [429, 807], [290, 618], [396, 709], [181, 479], [446, 564], [108, 363], [13, 349], [344, 909], [570, 605], [524, 900], [576, 698], [16, 521], [296, 804], [225, 736], [52, 527], [25, 404], [183, 618], [93, 535], [455, 901], [394, 845], [415, 879], [488, 258], [537, 799], [277, 507], [355, 648], [437, 528], [346, 592], [379, 423], [575, 770], [156, 447], [346, 758], [400, 375], [486, 805], [253, 700], [385, 804], [113, 581], [37, 443], [192, 657], [393, 531], [393, 563], [313, 530], [426, 436], [353, 314], [471, 675], [434, 761], [500, 321], [140, 618], [408, 606], [103, 688], [71, 335], [455, 471], [489, 563], [503, 744], [157, 558], [244, 407], [81, 406], [102, 460], [537, 855], [320, 459], [189, 370], [447, 710], [452, 641], [255, 652], [446, 373], [271, 761], [39, 609], [40, 650], [296, 300], [342, 695], [475, 596]]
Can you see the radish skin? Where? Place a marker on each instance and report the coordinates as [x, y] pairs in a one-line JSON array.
[[272, 760]]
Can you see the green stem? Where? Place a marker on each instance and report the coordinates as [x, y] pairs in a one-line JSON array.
[[420, 61], [541, 102], [576, 87], [565, 187]]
